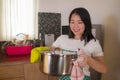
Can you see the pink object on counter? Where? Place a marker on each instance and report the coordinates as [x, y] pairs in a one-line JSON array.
[[18, 50]]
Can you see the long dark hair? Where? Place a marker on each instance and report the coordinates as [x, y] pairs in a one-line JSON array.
[[84, 15]]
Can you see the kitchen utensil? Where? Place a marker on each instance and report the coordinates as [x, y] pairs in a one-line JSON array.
[[56, 64]]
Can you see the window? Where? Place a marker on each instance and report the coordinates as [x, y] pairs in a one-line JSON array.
[[18, 16]]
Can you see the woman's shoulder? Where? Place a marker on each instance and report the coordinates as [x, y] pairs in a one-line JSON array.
[[93, 42], [63, 36]]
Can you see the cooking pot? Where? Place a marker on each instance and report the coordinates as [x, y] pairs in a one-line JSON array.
[[56, 64]]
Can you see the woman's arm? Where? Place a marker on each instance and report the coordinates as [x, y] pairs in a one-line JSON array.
[[54, 48], [97, 63]]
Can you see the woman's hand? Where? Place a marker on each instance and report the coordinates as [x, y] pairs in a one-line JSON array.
[[55, 48], [82, 59], [97, 63]]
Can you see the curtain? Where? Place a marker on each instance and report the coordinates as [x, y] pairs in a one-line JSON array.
[[18, 16]]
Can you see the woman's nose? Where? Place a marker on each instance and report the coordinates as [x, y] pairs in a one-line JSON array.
[[76, 25]]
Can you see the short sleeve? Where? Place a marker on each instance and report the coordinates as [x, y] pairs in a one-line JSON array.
[[57, 42], [97, 50]]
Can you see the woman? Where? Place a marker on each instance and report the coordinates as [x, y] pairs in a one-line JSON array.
[[80, 37]]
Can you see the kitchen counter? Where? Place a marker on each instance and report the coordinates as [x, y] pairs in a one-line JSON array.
[[20, 68], [10, 60]]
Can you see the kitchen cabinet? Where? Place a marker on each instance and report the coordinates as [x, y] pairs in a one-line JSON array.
[[53, 78], [11, 72], [32, 72], [19, 68]]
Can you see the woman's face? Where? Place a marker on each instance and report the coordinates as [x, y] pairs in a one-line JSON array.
[[76, 25]]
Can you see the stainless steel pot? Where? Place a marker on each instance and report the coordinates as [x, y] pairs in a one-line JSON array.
[[56, 64]]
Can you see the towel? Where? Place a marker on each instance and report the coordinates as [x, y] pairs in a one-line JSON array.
[[76, 73], [36, 54]]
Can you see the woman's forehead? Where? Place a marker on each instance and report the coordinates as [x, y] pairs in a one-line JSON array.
[[75, 17]]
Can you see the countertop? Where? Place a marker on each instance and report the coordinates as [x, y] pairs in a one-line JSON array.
[[10, 60]]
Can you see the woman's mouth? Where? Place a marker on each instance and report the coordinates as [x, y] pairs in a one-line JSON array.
[[76, 30]]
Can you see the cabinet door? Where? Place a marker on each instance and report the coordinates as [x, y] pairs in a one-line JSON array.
[[29, 71], [44, 76], [11, 71], [39, 74], [32, 72], [22, 78], [53, 78]]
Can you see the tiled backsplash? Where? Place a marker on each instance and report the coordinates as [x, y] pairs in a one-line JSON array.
[[49, 23]]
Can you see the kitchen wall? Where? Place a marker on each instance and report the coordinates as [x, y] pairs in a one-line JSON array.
[[105, 12]]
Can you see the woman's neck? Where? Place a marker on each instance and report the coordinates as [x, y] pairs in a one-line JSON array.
[[77, 37]]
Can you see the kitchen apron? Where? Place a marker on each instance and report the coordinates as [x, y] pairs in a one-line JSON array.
[[68, 78]]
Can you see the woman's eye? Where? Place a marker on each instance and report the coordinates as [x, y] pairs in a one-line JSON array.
[[80, 22], [72, 22]]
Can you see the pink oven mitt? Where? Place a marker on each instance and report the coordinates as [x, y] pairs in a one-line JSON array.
[[77, 73]]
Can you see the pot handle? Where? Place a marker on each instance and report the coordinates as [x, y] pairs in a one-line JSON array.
[[58, 49]]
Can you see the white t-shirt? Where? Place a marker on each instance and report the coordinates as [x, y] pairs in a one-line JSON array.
[[92, 48]]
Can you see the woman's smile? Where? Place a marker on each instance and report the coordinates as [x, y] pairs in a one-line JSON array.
[[76, 30]]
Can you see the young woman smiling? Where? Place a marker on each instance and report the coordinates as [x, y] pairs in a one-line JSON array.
[[80, 37]]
